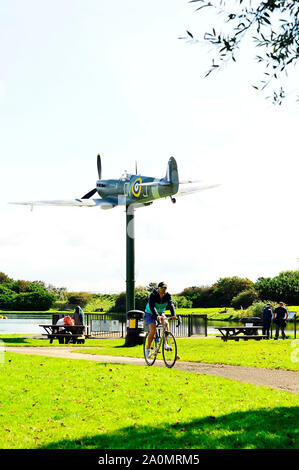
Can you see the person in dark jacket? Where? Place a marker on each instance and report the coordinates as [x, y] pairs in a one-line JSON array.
[[78, 316], [280, 317], [266, 319], [159, 301]]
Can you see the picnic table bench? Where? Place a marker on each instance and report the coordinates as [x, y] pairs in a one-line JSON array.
[[65, 333], [240, 332]]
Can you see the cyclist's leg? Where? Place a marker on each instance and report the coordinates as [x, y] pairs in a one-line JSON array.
[[164, 320], [150, 322], [152, 332]]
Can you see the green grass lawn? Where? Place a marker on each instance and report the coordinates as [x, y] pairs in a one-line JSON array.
[[265, 354], [61, 403]]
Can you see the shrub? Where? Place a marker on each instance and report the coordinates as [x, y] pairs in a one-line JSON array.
[[79, 298], [181, 302], [244, 299], [141, 298], [33, 301], [6, 300], [256, 309]]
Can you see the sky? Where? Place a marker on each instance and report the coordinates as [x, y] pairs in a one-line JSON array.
[[79, 78]]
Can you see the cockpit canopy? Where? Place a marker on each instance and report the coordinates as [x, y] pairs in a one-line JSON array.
[[125, 177]]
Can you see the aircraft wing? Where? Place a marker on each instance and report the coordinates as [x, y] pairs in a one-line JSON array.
[[103, 203], [194, 189]]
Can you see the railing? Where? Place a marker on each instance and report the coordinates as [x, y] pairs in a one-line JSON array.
[[106, 325], [115, 325]]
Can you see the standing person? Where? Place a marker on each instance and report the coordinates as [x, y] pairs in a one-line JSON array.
[[78, 316], [280, 317], [78, 319], [158, 302], [266, 319]]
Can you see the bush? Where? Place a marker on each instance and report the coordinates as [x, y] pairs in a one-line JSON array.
[[79, 298], [181, 302], [199, 296], [256, 309], [6, 300], [33, 301], [244, 299], [141, 298]]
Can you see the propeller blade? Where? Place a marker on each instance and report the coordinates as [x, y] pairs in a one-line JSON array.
[[91, 193], [99, 166]]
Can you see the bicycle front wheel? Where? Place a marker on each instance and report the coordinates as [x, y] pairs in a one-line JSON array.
[[169, 350], [153, 356]]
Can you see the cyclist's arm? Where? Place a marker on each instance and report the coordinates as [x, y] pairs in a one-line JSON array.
[[171, 308]]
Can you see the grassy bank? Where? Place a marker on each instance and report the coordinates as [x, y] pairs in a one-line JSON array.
[[60, 403]]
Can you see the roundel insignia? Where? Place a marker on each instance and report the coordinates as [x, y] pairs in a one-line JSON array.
[[136, 187]]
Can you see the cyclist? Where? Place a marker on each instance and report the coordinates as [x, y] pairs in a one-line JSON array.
[[158, 302]]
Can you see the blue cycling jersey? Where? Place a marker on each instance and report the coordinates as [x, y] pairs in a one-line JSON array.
[[156, 306]]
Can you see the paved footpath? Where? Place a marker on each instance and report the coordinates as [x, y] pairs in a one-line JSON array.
[[285, 380]]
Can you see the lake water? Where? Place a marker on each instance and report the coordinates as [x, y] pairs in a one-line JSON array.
[[25, 324], [29, 324]]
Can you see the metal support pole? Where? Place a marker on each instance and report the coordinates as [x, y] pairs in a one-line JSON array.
[[130, 262]]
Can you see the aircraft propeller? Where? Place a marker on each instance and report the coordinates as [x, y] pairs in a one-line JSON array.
[[93, 191], [99, 166]]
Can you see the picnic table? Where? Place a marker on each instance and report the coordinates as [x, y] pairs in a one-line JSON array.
[[65, 333], [240, 332]]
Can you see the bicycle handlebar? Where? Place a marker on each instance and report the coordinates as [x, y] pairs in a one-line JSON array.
[[178, 321]]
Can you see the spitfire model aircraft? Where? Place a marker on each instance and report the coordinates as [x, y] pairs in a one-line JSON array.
[[129, 189]]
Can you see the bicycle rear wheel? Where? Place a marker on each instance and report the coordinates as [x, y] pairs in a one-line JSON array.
[[169, 350], [149, 360]]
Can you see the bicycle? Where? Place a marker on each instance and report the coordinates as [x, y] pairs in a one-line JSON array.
[[162, 339]]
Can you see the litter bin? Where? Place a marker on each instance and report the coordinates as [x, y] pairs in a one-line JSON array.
[[251, 321], [135, 328]]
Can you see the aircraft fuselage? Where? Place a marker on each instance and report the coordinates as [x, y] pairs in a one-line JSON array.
[[133, 189]]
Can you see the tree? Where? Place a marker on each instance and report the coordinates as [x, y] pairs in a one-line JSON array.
[[59, 292], [244, 299], [152, 286], [4, 278], [226, 288], [274, 28], [281, 288]]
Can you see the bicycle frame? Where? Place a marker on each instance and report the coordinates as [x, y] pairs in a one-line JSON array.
[[163, 334]]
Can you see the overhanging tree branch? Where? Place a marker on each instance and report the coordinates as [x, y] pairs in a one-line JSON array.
[[274, 28]]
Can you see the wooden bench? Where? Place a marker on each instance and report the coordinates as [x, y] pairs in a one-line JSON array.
[[65, 337]]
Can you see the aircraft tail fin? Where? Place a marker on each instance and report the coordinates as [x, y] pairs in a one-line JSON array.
[[172, 175]]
